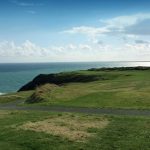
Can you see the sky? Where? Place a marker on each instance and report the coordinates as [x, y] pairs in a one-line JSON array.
[[74, 30]]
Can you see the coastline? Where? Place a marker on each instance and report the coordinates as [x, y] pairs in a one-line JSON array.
[[14, 76], [2, 93]]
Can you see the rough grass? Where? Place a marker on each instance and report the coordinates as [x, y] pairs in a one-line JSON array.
[[39, 93], [122, 133], [4, 113], [74, 128], [129, 90], [121, 89], [12, 97]]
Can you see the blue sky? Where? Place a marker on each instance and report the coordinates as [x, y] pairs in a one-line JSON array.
[[74, 30]]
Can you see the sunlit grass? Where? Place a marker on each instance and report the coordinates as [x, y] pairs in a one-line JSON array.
[[22, 130], [120, 89]]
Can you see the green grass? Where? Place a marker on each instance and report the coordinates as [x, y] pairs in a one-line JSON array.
[[115, 89], [12, 97], [123, 89], [37, 130], [121, 133]]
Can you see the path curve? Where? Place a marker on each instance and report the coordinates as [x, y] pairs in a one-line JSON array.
[[107, 111]]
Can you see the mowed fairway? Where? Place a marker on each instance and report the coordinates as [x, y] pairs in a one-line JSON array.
[[22, 130]]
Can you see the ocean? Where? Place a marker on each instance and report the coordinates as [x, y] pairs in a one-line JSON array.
[[14, 75]]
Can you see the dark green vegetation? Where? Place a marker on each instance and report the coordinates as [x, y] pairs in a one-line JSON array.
[[17, 132], [112, 89], [108, 88], [70, 77], [61, 78], [103, 88]]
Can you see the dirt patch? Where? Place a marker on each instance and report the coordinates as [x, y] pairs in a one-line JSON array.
[[74, 128]]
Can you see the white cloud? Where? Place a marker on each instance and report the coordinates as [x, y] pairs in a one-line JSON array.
[[22, 3], [141, 42], [25, 3], [84, 47], [113, 41], [29, 51], [125, 21], [26, 49], [142, 47], [69, 52], [91, 31], [114, 26]]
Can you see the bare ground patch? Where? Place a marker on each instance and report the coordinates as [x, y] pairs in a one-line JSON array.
[[74, 128]]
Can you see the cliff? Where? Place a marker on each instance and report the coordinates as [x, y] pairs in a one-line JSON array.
[[79, 76], [58, 79]]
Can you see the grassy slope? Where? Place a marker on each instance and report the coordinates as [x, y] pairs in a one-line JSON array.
[[122, 89], [12, 97], [121, 133]]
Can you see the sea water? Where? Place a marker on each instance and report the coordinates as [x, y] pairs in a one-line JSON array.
[[15, 75]]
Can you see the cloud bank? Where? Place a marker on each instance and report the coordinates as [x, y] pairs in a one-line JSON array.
[[134, 24], [120, 38], [73, 52]]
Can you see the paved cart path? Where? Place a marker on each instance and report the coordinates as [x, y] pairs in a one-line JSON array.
[[107, 111]]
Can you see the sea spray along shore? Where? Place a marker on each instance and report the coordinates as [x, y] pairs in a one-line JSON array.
[[2, 93]]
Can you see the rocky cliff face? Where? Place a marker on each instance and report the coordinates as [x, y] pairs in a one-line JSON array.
[[62, 78], [58, 79]]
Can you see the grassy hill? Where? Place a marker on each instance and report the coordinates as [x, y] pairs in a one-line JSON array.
[[110, 89], [102, 88], [97, 88]]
